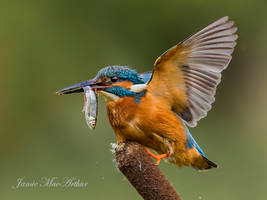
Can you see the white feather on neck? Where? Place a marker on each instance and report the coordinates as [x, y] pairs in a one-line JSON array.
[[138, 88], [109, 96]]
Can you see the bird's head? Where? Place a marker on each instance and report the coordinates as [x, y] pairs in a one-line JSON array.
[[113, 82]]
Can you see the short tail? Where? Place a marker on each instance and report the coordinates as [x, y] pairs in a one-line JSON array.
[[198, 159], [203, 163], [192, 158]]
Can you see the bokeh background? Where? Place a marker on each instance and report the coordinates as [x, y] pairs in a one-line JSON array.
[[46, 45]]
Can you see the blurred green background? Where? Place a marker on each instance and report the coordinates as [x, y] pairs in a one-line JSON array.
[[46, 45]]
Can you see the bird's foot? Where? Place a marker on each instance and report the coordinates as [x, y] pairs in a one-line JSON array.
[[157, 157]]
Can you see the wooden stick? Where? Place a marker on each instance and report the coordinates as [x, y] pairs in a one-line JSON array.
[[138, 167]]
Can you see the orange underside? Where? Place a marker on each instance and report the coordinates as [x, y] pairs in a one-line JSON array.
[[153, 124]]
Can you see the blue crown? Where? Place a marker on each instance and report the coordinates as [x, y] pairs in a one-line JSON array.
[[121, 72]]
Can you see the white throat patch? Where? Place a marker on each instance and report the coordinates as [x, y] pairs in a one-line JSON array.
[[109, 96], [138, 88]]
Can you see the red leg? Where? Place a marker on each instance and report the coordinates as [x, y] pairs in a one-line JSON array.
[[157, 157]]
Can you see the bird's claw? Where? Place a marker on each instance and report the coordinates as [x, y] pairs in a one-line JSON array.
[[157, 157]]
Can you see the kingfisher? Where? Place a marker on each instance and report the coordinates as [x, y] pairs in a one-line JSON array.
[[154, 108]]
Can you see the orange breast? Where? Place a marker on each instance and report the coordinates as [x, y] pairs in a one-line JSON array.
[[151, 123]]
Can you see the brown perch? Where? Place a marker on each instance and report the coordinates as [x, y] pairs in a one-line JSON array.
[[138, 167]]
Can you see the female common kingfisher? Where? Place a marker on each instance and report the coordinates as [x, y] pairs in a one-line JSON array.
[[154, 108]]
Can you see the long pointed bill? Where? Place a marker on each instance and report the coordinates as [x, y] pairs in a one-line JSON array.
[[76, 88]]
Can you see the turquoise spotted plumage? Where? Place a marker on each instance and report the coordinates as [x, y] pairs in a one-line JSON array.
[[122, 92], [122, 72]]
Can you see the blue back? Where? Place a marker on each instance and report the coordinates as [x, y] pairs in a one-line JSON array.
[[146, 76], [191, 141]]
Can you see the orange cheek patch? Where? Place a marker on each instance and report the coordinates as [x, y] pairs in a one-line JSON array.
[[103, 79], [124, 84]]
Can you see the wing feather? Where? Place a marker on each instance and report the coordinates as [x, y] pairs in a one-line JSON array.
[[187, 74]]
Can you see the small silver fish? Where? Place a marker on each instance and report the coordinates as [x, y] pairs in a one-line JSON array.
[[90, 107]]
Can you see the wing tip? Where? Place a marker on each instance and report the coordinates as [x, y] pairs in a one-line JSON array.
[[225, 18]]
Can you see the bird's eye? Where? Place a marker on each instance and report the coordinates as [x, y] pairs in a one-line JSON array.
[[114, 79]]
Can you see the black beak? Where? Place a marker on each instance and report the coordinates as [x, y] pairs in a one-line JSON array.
[[76, 88]]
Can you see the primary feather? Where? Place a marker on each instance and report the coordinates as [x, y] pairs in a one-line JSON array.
[[191, 70]]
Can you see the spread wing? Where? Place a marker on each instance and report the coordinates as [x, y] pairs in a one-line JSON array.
[[186, 76]]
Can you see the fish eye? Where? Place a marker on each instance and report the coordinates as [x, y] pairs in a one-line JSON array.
[[114, 78]]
